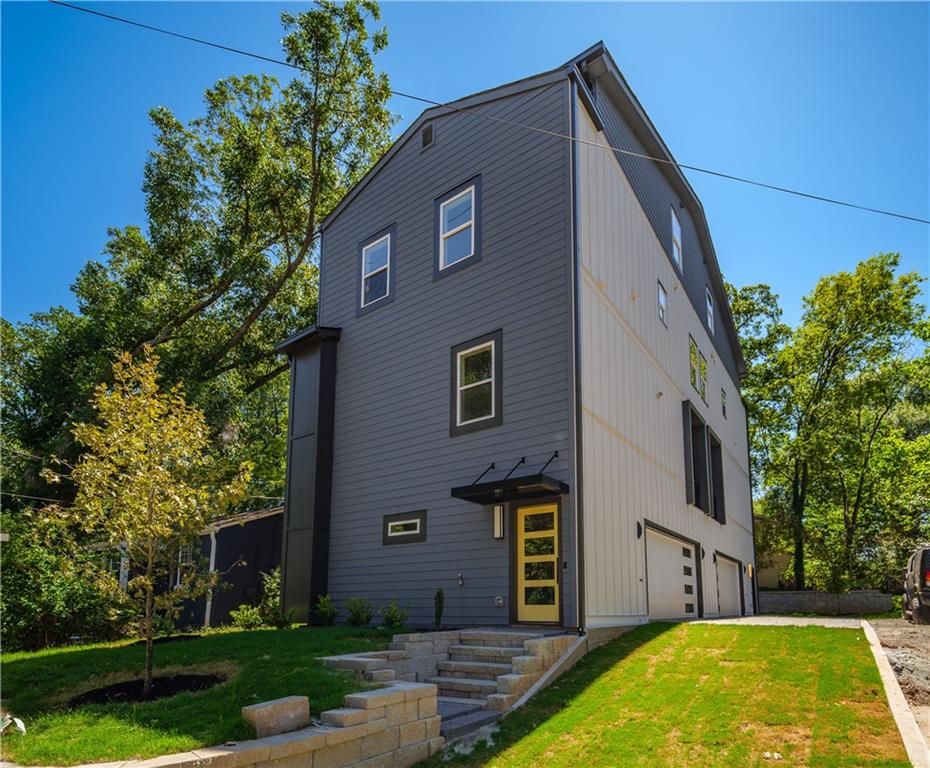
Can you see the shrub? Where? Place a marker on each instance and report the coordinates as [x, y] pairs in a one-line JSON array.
[[325, 611], [246, 616], [360, 611], [270, 605], [440, 602], [395, 617], [55, 590]]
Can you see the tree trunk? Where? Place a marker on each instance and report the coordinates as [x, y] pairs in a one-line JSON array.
[[149, 630], [798, 502]]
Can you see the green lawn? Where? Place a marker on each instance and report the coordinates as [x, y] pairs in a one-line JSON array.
[[707, 695], [260, 665]]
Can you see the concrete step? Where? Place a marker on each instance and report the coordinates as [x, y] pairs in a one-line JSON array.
[[464, 687], [451, 703], [485, 670], [380, 675], [494, 654], [498, 702], [356, 663], [496, 637], [461, 726]]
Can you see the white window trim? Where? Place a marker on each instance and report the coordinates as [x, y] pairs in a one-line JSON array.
[[392, 533], [709, 302], [443, 236], [385, 268], [459, 387], [661, 294], [677, 249]]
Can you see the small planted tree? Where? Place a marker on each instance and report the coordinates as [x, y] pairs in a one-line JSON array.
[[147, 483]]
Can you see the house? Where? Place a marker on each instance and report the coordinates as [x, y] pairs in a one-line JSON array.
[[240, 547], [524, 383]]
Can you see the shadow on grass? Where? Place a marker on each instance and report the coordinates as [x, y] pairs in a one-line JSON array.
[[266, 664], [559, 695]]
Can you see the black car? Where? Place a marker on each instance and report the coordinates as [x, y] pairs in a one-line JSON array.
[[916, 603]]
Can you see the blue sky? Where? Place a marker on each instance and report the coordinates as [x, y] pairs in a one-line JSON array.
[[830, 98]]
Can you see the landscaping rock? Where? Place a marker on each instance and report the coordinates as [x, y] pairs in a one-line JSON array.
[[278, 716]]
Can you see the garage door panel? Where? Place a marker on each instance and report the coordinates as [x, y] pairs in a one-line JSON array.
[[728, 587], [671, 576]]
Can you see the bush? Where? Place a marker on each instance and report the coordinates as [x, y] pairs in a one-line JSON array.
[[324, 613], [395, 617], [439, 603], [247, 616], [360, 611], [53, 591], [270, 605]]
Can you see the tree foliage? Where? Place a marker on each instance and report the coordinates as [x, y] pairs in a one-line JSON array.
[[840, 419], [225, 266], [147, 485]]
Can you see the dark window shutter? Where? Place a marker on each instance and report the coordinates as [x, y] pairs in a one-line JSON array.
[[689, 461]]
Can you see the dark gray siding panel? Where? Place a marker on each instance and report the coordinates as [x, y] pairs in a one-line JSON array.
[[392, 448], [657, 198]]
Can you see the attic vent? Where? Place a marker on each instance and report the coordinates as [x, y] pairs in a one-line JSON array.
[[426, 136]]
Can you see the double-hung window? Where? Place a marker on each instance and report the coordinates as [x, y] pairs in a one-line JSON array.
[[709, 300], [663, 304], [458, 228], [694, 363], [676, 239], [476, 384], [376, 269]]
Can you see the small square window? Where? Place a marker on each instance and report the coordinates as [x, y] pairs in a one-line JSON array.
[[689, 607], [689, 589], [476, 384], [709, 299], [458, 228], [686, 570], [404, 528], [676, 240], [663, 304], [686, 552]]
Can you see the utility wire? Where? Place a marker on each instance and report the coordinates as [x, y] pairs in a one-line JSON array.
[[555, 134]]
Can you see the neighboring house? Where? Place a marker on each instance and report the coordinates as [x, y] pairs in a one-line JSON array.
[[523, 386], [241, 548]]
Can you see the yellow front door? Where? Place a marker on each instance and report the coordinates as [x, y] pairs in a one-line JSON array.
[[538, 563]]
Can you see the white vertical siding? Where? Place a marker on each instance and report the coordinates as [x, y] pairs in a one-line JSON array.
[[634, 376]]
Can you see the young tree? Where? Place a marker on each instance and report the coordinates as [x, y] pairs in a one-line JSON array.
[[146, 481]]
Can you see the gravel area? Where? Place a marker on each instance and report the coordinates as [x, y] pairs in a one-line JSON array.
[[908, 649]]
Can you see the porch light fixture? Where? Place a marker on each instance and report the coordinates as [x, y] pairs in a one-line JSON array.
[[498, 521]]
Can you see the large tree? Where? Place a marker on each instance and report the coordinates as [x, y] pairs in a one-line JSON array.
[[226, 264], [822, 398]]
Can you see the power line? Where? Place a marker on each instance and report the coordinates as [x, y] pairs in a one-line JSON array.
[[554, 134]]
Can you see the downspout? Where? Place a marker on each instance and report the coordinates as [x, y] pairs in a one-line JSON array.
[[208, 609], [576, 361]]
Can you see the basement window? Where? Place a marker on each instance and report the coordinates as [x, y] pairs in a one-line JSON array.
[[404, 528]]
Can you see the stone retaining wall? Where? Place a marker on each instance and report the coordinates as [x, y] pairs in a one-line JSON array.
[[827, 603], [392, 727]]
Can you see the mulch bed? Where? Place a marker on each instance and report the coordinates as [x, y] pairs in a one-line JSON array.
[[130, 692]]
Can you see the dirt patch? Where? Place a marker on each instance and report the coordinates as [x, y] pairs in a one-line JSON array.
[[132, 691], [907, 647]]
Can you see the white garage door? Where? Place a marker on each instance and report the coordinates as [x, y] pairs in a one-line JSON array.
[[728, 586], [671, 577]]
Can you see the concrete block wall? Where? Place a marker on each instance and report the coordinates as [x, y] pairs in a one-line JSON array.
[[391, 727], [828, 603]]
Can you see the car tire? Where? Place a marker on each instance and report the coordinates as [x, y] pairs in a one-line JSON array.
[[921, 614]]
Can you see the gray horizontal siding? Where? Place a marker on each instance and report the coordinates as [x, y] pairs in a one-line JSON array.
[[392, 447], [657, 198]]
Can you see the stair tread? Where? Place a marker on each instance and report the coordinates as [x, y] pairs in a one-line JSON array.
[[458, 700], [461, 726], [465, 682], [478, 666], [487, 650]]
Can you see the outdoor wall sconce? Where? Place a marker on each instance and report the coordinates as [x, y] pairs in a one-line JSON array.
[[461, 580], [749, 570], [639, 530], [498, 521]]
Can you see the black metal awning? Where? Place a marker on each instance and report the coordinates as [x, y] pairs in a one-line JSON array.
[[510, 489]]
